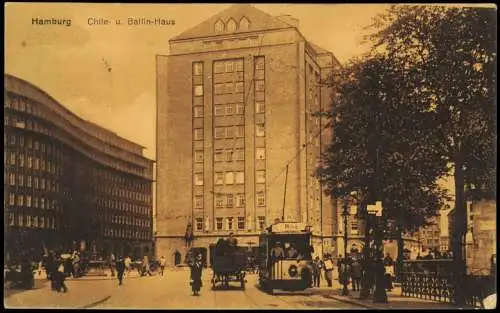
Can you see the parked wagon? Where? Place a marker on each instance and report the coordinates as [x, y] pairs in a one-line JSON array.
[[229, 265]]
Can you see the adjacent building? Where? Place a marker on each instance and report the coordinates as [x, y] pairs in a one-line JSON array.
[[430, 234], [69, 182], [237, 138]]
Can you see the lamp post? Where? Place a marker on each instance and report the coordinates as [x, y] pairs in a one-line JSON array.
[[345, 215]]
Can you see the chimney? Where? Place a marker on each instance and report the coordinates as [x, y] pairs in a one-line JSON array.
[[287, 18]]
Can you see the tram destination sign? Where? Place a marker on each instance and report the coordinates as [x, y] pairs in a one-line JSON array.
[[288, 227]]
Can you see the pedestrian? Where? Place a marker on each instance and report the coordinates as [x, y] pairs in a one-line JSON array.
[[76, 265], [328, 266], [120, 270], [356, 275], [317, 266], [163, 262], [344, 269], [146, 269], [127, 262], [59, 278], [196, 272]]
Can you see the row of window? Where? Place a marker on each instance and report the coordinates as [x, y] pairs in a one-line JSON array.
[[126, 232], [123, 206], [229, 88], [34, 181], [229, 223], [230, 178], [229, 109], [229, 155], [228, 66], [31, 162], [122, 192], [33, 201], [229, 132], [31, 144], [34, 221], [130, 221], [232, 26]]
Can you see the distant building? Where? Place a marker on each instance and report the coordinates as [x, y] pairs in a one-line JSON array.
[[236, 97], [444, 243], [430, 235], [69, 183]]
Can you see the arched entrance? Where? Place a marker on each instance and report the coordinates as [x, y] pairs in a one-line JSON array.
[[177, 257]]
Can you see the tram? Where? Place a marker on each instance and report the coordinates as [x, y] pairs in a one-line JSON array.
[[285, 257]]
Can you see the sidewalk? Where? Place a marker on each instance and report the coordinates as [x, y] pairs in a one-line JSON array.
[[395, 300]]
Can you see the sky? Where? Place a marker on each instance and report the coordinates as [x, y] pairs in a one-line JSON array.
[[106, 73]]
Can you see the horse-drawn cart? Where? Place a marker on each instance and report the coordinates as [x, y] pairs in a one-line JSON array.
[[229, 265]]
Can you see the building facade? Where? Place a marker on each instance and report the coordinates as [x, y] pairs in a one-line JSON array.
[[430, 235], [69, 182], [237, 139]]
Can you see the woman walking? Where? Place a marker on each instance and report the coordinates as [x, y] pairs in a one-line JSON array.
[[196, 270]]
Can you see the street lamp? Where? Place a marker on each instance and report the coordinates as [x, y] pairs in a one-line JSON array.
[[345, 215]]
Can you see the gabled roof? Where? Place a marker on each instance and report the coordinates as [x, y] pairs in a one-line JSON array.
[[259, 20]]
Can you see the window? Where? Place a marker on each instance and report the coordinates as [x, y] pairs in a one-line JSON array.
[[219, 201], [198, 179], [240, 131], [219, 89], [198, 156], [12, 219], [229, 201], [229, 132], [35, 221], [261, 199], [240, 177], [42, 203], [259, 63], [229, 223], [260, 153], [20, 200], [240, 109], [219, 26], [37, 145], [231, 25], [28, 221], [229, 109], [30, 161], [262, 222], [199, 223], [259, 85], [12, 158], [240, 200], [228, 88], [219, 155], [229, 155], [12, 139], [219, 178], [198, 90], [220, 132], [220, 110], [260, 177], [241, 223], [198, 202], [238, 65], [197, 68], [260, 107], [260, 130], [21, 180], [238, 87], [198, 134], [219, 67], [198, 111], [229, 178], [218, 223], [229, 67], [21, 141], [244, 23], [12, 199], [37, 163], [35, 202], [354, 227]]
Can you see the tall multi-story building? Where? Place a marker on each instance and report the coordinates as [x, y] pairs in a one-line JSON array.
[[68, 181], [237, 139]]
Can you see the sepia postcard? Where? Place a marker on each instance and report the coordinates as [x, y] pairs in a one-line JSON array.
[[259, 156]]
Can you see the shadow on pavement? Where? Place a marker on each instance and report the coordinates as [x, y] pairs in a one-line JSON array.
[[39, 284]]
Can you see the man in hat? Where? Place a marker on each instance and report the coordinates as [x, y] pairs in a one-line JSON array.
[[196, 270], [277, 252]]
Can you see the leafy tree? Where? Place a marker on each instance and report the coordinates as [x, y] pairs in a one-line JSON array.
[[449, 56]]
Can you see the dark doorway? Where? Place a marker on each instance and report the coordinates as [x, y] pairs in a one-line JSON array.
[[177, 258]]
